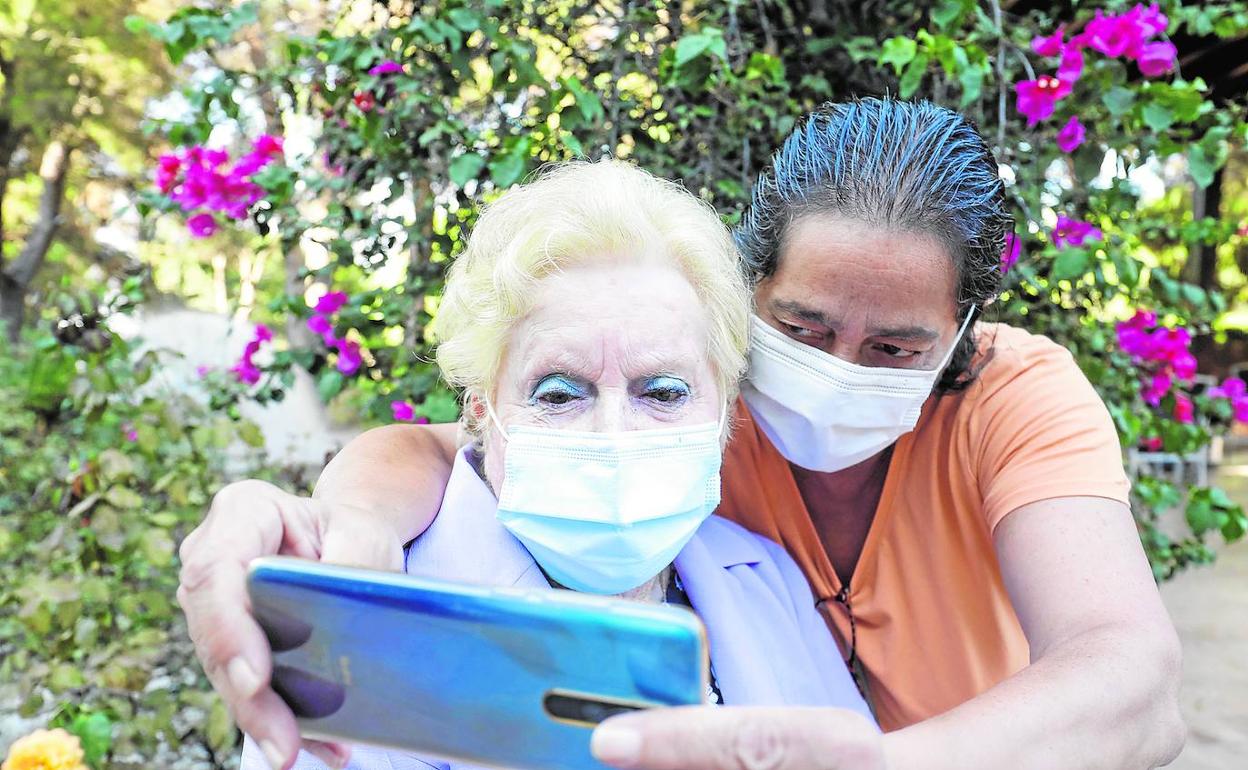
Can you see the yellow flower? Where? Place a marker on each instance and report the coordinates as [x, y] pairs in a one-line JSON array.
[[45, 750]]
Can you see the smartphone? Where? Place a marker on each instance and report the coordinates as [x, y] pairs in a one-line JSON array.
[[501, 677]]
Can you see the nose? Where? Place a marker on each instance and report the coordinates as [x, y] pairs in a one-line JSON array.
[[612, 413]]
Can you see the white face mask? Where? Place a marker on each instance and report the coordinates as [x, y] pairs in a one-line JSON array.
[[825, 414], [605, 512]]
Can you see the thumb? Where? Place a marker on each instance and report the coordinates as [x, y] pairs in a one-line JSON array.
[[352, 537], [739, 738]]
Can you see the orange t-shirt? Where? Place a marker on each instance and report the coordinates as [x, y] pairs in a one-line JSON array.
[[935, 626]]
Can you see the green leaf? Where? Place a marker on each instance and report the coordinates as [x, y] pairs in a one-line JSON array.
[[1201, 166], [508, 169], [913, 76], [465, 19], [1071, 263], [764, 66], [137, 25], [95, 732], [1201, 515], [123, 497], [1118, 100], [1158, 117], [948, 12], [692, 46], [330, 384], [465, 168], [898, 52], [972, 80]]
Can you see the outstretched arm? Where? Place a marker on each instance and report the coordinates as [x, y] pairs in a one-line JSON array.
[[381, 491]]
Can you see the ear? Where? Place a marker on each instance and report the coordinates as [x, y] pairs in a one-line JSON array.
[[474, 406]]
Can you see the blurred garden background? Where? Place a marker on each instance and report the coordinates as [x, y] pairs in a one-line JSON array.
[[225, 226]]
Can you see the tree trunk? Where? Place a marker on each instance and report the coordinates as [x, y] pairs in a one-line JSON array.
[[16, 277]]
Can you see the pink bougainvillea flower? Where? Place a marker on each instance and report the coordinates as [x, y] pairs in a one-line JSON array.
[[364, 101], [1157, 58], [1071, 135], [320, 324], [331, 302], [387, 67], [1074, 232], [1036, 98], [1009, 255], [263, 333], [1050, 45], [1184, 366], [349, 358], [1156, 387], [422, 420], [246, 372], [1111, 35], [202, 225], [402, 411], [202, 371], [1240, 406], [1232, 388], [1071, 66], [167, 169], [1184, 411], [1151, 19], [1151, 444], [268, 144]]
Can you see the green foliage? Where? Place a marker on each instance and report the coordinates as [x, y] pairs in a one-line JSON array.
[[104, 474], [490, 92]]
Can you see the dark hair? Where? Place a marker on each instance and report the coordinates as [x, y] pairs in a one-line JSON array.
[[909, 166]]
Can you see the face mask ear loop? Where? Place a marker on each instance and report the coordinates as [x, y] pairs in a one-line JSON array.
[[956, 340], [497, 424]]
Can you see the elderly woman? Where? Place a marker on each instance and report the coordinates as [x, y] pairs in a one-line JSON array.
[[597, 326]]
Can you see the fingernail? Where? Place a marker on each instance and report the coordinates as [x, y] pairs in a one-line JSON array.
[[271, 753], [615, 745], [330, 756], [243, 678]]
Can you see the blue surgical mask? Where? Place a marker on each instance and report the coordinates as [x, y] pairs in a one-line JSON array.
[[605, 512]]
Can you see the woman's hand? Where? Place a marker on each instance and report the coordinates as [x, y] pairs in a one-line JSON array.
[[250, 519], [740, 738]]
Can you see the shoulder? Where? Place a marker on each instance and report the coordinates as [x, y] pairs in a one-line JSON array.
[[1009, 355], [730, 544]]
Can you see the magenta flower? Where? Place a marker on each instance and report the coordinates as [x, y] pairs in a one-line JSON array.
[[386, 67], [1036, 98], [1151, 19], [422, 420], [1184, 411], [1071, 135], [349, 358], [1051, 45], [1071, 66], [1232, 387], [320, 324], [331, 302], [1151, 444], [402, 411], [263, 333], [1156, 387], [1184, 366], [364, 101], [202, 371], [167, 169], [1113, 36], [202, 225], [1157, 58], [246, 372], [267, 144], [1074, 232], [1009, 255]]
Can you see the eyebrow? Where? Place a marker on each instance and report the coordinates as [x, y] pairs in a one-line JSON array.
[[916, 333]]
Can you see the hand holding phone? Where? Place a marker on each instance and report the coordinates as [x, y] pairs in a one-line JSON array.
[[498, 676]]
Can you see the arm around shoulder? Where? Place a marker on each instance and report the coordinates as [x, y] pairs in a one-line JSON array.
[[396, 473]]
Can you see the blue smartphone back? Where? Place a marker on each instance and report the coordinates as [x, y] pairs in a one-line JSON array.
[[492, 676]]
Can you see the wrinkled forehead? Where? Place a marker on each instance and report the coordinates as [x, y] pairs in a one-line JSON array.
[[598, 318]]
